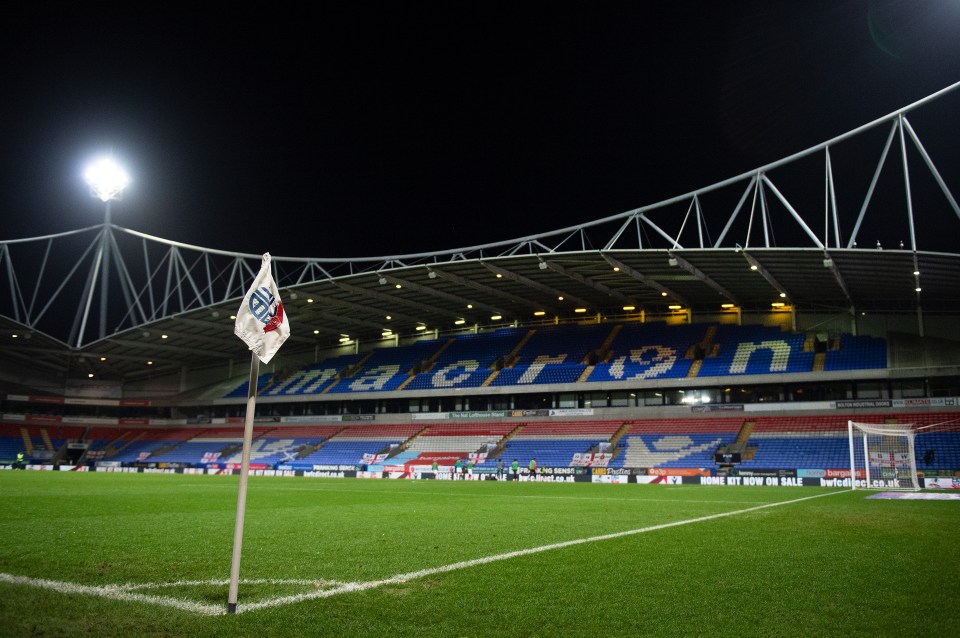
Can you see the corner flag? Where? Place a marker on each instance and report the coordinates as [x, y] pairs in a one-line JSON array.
[[263, 326], [261, 321]]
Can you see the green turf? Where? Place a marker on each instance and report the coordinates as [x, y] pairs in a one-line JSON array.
[[838, 565]]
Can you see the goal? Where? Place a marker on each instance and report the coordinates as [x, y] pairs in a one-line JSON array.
[[882, 456]]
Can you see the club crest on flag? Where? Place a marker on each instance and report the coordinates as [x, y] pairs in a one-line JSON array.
[[261, 321]]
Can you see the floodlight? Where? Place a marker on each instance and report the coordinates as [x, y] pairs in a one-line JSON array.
[[106, 179]]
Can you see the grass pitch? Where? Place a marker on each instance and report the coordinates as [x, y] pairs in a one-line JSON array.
[[87, 554]]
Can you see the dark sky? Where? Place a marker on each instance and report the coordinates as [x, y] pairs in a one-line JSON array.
[[322, 131]]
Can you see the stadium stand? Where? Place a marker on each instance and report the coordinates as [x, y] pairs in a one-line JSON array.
[[593, 353]]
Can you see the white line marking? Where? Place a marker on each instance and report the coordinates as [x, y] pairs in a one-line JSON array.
[[305, 582], [126, 592], [114, 592], [404, 578]]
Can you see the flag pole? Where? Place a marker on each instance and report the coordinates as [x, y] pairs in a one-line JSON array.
[[244, 473]]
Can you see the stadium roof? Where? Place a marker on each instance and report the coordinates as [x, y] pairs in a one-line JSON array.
[[611, 284], [107, 300]]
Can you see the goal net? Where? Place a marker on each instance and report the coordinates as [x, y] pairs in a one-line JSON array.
[[882, 456]]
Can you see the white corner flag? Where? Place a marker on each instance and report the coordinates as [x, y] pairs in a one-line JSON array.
[[261, 321], [263, 326]]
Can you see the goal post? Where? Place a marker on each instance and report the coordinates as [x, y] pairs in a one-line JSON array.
[[882, 456]]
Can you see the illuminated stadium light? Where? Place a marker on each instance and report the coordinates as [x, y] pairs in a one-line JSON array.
[[783, 295], [616, 269], [629, 308], [778, 304], [309, 299], [106, 179], [496, 317], [389, 317], [726, 306], [316, 332], [469, 306], [560, 298], [89, 375], [397, 286], [753, 266], [539, 313], [579, 309], [663, 293], [164, 336], [675, 307], [459, 322], [386, 333], [421, 327], [499, 276]]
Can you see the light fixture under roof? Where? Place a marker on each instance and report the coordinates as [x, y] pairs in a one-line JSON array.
[[778, 304], [460, 322], [726, 306], [581, 310], [675, 307], [629, 308], [539, 313], [496, 317]]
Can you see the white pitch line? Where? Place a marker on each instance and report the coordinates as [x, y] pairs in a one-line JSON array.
[[114, 592], [305, 582], [404, 578], [126, 593]]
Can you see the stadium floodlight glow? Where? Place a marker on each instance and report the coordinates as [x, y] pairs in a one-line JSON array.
[[459, 322], [675, 307], [726, 306], [106, 179], [629, 308], [496, 317], [539, 313]]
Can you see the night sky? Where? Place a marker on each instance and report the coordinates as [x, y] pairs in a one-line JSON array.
[[337, 132]]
